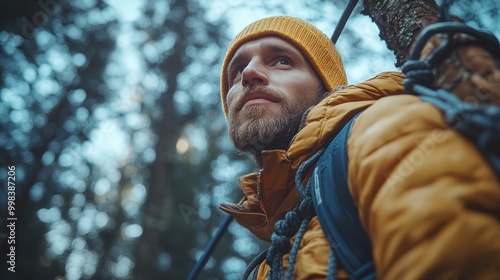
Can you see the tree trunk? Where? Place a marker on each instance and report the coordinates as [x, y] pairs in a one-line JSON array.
[[400, 22], [159, 206]]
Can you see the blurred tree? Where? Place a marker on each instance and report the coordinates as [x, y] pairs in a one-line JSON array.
[[182, 56], [53, 57]]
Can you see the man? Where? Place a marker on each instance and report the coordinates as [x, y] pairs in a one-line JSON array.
[[428, 200]]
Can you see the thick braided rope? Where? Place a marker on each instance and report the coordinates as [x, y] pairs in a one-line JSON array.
[[306, 209], [417, 72], [295, 221], [283, 231]]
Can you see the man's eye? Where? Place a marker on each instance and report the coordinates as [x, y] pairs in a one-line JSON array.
[[284, 62], [237, 72]]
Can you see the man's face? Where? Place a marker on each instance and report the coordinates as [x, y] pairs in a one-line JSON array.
[[271, 85]]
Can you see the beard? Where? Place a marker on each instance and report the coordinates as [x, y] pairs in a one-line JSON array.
[[257, 133], [252, 131]]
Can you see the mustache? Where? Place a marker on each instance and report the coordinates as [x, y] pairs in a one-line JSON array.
[[272, 94]]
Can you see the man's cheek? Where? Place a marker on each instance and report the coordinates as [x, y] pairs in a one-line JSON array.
[[231, 100]]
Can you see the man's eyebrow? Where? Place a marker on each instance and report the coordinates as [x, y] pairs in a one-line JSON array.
[[239, 55], [278, 48]]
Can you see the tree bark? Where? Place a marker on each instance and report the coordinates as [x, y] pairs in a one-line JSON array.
[[400, 22]]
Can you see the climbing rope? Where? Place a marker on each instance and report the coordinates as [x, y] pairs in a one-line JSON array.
[[480, 123], [295, 222]]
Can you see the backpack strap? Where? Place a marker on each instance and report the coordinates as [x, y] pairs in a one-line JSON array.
[[336, 211]]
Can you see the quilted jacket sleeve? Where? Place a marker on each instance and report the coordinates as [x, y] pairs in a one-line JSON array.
[[428, 200]]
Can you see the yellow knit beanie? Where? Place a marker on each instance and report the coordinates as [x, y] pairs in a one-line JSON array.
[[314, 44]]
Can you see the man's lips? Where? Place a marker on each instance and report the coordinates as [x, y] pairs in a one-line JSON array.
[[257, 99]]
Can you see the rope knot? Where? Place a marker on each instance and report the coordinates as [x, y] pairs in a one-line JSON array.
[[294, 222], [417, 72], [288, 226], [306, 207], [281, 245]]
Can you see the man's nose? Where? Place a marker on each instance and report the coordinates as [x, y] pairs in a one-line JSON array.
[[254, 73]]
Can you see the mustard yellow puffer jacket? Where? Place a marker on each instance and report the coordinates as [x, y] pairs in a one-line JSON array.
[[426, 197]]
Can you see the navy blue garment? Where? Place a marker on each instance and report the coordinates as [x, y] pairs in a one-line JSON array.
[[336, 211]]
